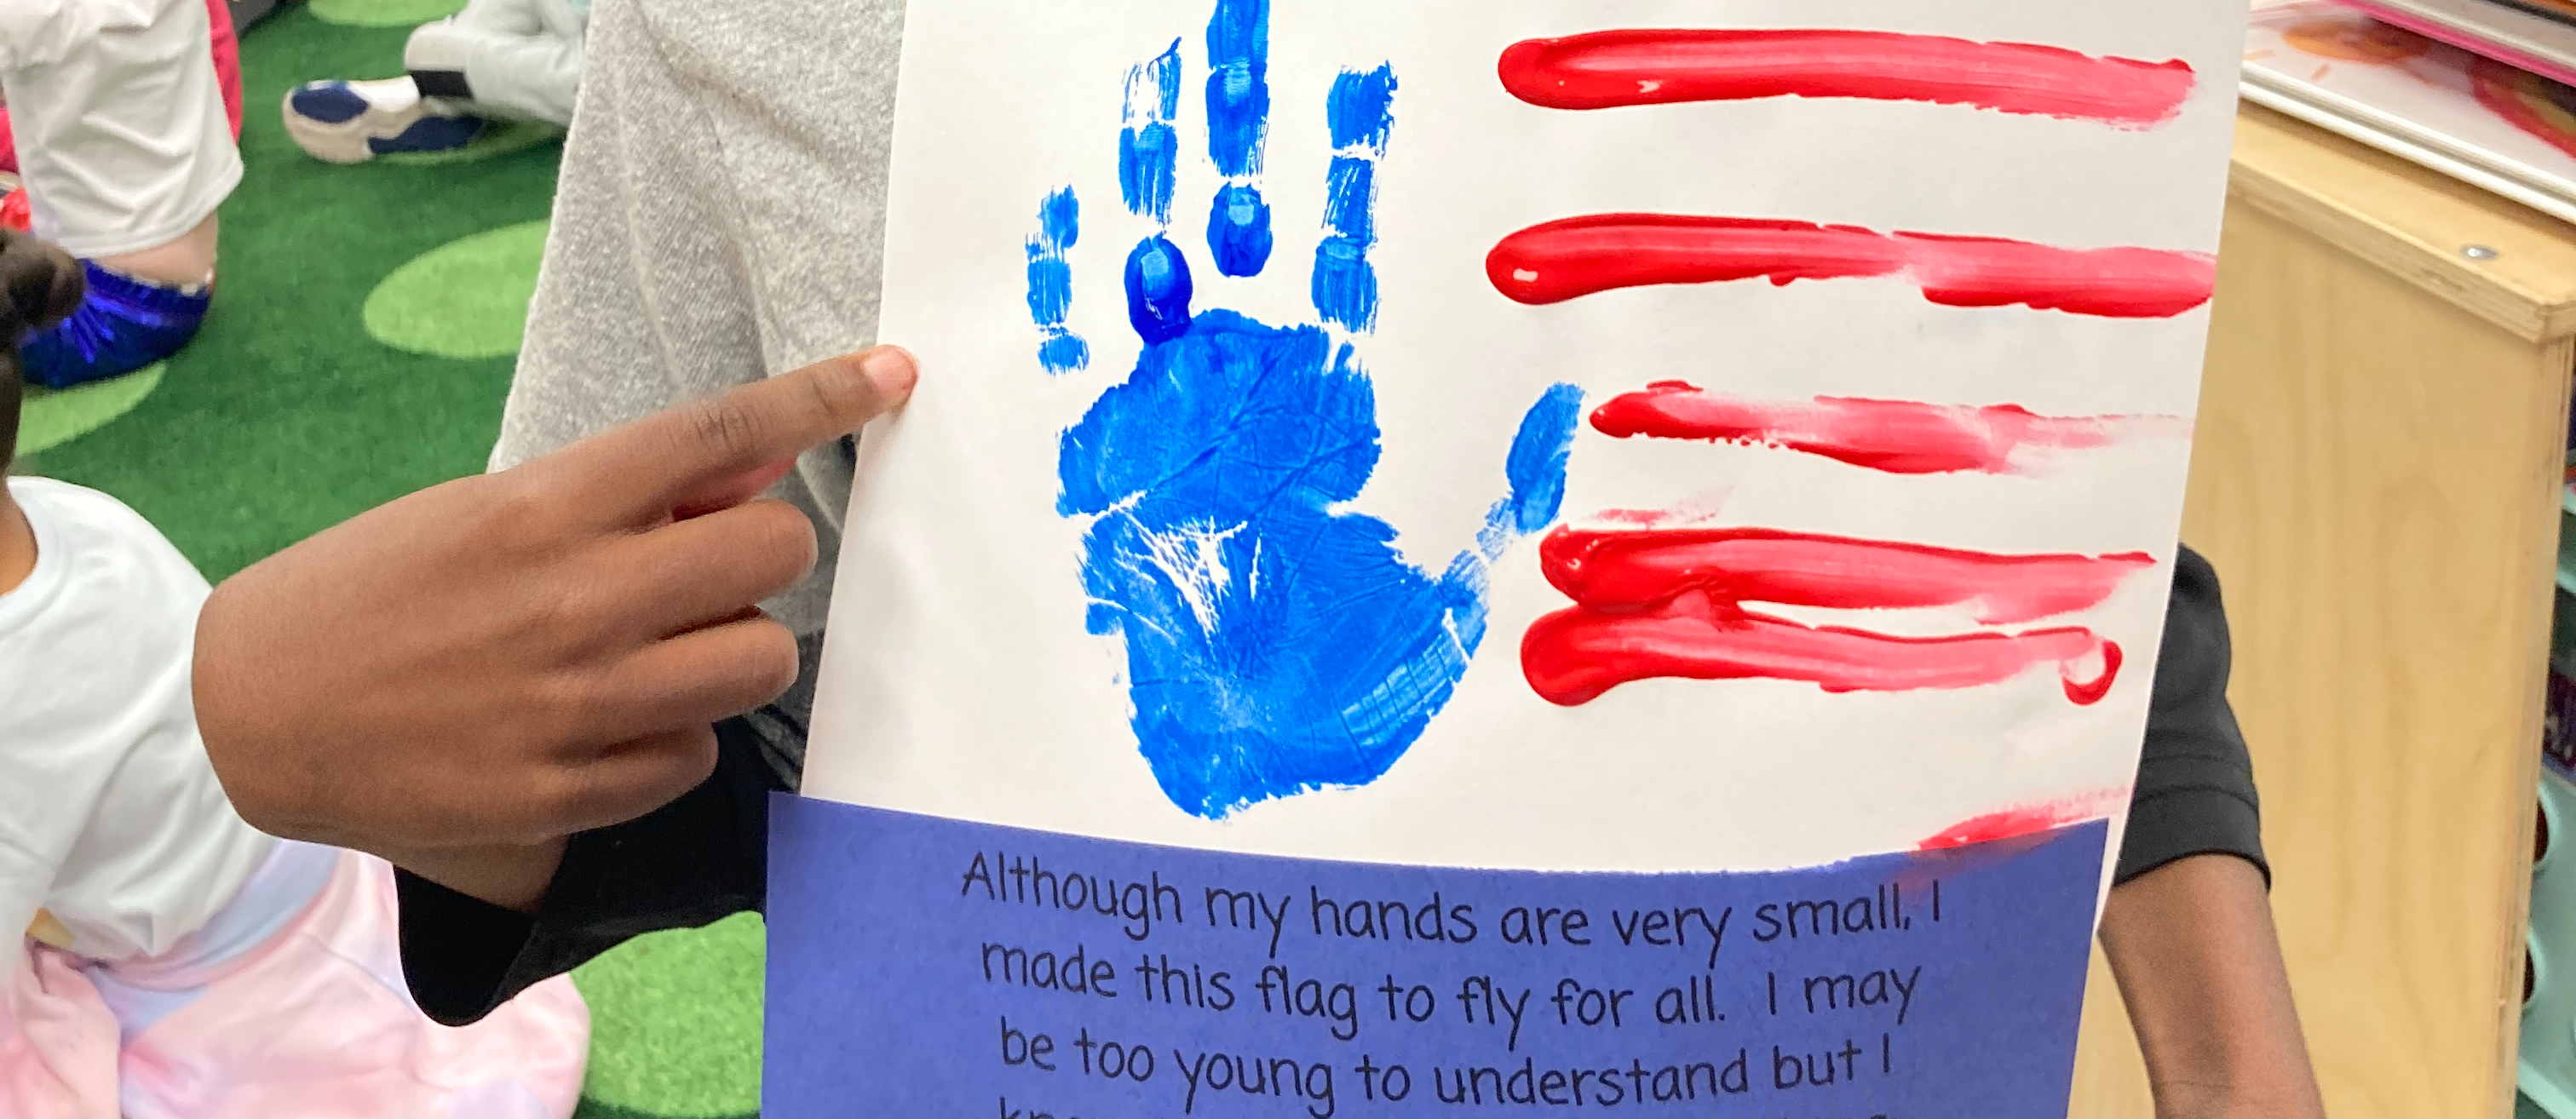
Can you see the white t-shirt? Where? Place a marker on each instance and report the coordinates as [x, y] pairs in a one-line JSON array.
[[121, 131], [110, 815]]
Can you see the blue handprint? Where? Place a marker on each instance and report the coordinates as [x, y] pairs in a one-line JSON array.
[[1276, 643]]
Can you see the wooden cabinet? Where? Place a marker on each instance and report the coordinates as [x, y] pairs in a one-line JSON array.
[[2380, 456]]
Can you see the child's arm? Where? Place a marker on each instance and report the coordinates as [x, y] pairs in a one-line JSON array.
[[695, 861], [2189, 927], [2198, 963]]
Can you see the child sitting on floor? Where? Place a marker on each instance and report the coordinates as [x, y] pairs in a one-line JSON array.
[[124, 141], [177, 963]]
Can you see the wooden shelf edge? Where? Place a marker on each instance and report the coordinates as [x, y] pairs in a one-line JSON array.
[[2411, 222]]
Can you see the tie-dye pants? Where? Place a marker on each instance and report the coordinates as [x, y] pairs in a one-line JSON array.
[[289, 1005]]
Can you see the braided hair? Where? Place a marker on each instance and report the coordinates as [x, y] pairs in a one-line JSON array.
[[39, 285]]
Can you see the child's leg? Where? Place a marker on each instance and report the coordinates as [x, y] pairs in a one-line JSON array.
[[293, 1003], [57, 1040], [505, 58], [124, 324]]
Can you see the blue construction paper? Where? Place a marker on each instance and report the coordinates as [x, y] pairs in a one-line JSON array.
[[927, 967]]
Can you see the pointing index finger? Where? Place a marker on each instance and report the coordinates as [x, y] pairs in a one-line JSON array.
[[643, 470]]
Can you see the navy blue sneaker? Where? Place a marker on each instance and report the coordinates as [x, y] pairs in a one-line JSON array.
[[353, 122]]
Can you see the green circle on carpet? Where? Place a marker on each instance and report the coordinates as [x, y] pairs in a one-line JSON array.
[[467, 298], [675, 1021], [54, 417], [384, 13], [499, 137]]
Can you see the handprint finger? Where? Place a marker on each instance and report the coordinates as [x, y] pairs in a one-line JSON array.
[[1361, 113], [1158, 290], [1535, 471], [1238, 105], [1051, 283], [1157, 277], [1148, 148]]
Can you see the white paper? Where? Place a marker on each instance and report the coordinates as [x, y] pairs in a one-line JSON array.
[[960, 679]]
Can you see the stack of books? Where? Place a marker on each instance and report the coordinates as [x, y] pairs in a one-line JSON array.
[[2483, 90]]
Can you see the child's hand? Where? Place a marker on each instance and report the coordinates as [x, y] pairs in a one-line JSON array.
[[505, 660], [50, 932]]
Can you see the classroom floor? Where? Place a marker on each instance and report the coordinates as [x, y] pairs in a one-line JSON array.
[[360, 348]]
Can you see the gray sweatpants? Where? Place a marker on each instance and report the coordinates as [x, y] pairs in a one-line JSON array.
[[519, 59]]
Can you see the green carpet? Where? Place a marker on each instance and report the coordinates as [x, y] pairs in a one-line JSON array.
[[360, 347]]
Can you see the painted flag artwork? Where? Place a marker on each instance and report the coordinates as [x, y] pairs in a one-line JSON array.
[[1512, 554]]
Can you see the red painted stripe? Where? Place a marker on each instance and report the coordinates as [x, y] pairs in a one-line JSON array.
[[1895, 436], [1625, 571], [1669, 603], [1573, 656], [1615, 69], [1576, 257], [2013, 823]]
